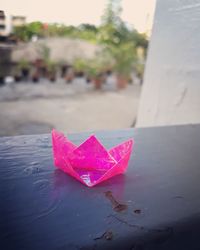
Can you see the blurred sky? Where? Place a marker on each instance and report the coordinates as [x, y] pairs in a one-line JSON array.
[[138, 13]]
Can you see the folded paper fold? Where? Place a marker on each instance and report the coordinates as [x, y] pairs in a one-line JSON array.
[[90, 163]]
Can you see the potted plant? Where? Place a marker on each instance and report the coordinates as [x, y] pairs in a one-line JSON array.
[[79, 66], [69, 76], [35, 76], [17, 73], [2, 80], [36, 70], [106, 61], [24, 67], [139, 68], [44, 53], [95, 72], [62, 67], [124, 56], [52, 69]]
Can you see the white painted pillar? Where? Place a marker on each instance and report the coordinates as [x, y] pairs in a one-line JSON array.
[[171, 90]]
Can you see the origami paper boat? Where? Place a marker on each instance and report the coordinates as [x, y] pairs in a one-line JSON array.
[[90, 163]]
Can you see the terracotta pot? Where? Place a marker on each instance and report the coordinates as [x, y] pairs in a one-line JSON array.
[[35, 77], [97, 83], [43, 71], [64, 69], [88, 79], [17, 78], [121, 82], [25, 73], [2, 80], [79, 74], [52, 78], [69, 78]]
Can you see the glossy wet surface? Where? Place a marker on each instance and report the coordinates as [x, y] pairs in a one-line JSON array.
[[155, 205]]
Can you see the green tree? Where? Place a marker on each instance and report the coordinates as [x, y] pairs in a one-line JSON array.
[[124, 57], [25, 32], [21, 32], [88, 27], [121, 41], [111, 13]]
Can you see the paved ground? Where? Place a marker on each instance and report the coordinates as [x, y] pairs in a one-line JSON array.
[[36, 108]]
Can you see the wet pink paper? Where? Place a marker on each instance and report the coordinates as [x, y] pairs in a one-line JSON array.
[[90, 163]]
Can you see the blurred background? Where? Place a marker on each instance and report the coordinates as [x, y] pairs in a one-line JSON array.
[[72, 65]]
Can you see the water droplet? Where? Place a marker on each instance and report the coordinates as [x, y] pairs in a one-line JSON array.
[[32, 170]]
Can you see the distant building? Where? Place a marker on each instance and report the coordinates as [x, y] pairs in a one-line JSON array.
[[2, 23], [17, 21], [7, 25]]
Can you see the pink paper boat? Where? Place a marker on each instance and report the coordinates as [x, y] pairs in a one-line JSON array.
[[90, 163]]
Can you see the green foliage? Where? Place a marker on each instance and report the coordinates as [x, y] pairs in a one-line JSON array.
[[44, 51], [122, 42], [111, 13], [25, 32], [79, 65], [139, 68], [125, 57], [108, 35], [139, 39], [94, 68], [35, 28], [51, 66], [88, 27], [23, 64], [113, 31], [21, 33], [119, 41]]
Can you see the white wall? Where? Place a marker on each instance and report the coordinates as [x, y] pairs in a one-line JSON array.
[[171, 91]]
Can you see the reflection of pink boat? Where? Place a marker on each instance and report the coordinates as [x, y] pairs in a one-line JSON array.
[[90, 163]]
